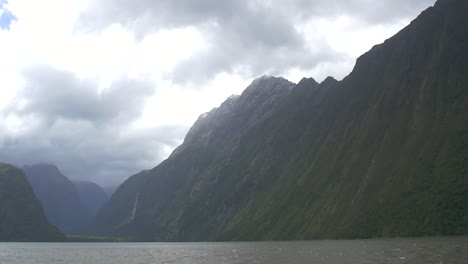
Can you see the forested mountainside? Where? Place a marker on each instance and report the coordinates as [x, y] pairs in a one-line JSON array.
[[381, 153], [21, 215]]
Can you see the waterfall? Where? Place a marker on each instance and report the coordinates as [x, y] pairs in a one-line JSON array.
[[134, 208]]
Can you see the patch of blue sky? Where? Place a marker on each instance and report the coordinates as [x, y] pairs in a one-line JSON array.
[[6, 17]]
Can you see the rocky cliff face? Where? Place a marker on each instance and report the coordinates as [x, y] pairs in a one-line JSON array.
[[21, 214], [381, 153]]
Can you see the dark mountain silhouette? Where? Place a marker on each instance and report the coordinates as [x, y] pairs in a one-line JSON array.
[[92, 195], [21, 214], [58, 196]]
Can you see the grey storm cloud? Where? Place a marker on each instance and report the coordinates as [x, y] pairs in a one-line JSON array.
[[244, 37], [54, 93], [370, 11], [251, 37], [85, 133]]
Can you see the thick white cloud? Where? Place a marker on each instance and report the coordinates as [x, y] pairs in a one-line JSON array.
[[106, 88]]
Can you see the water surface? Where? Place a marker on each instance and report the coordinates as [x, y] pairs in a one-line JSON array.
[[409, 250]]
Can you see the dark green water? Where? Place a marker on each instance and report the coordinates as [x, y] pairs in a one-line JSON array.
[[409, 250]]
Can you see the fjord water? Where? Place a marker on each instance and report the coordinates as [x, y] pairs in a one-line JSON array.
[[400, 250]]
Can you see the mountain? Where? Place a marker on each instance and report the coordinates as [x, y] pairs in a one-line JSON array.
[[92, 196], [110, 189], [58, 196], [21, 214], [381, 153], [119, 216]]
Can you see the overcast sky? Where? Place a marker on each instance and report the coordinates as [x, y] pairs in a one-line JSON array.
[[106, 88]]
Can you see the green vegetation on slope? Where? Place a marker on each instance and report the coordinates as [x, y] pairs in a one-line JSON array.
[[381, 153], [21, 215]]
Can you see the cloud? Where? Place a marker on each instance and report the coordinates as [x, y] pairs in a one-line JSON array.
[[180, 13], [54, 94], [252, 47], [242, 36], [246, 37], [61, 119], [369, 11], [106, 88]]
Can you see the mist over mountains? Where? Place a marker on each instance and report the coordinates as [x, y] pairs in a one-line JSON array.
[[91, 195], [67, 205]]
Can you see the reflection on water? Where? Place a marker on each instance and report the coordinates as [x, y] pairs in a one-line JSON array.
[[409, 250]]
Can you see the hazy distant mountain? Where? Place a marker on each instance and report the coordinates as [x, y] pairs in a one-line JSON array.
[[21, 214], [110, 189], [58, 196], [92, 195], [381, 153]]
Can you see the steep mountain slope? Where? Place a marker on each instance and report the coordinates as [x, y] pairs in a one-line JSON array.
[[92, 196], [58, 196], [203, 144], [21, 214], [381, 153]]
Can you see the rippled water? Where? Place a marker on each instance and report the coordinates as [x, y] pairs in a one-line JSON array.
[[417, 250]]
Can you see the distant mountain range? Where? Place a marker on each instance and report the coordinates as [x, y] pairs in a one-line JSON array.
[[21, 215], [384, 152], [67, 205], [92, 196]]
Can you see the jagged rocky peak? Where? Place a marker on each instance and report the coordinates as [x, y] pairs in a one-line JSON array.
[[328, 81], [266, 85], [306, 80], [262, 86], [206, 121], [230, 101], [304, 87], [227, 105], [260, 94]]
